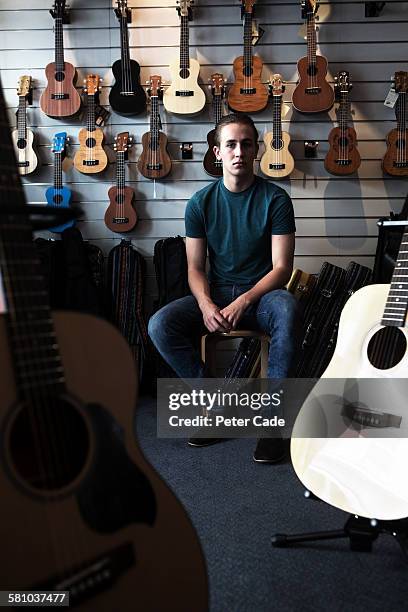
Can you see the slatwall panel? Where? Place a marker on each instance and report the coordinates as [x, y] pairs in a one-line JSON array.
[[336, 217]]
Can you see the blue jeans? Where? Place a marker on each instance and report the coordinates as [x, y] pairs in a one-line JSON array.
[[176, 329]]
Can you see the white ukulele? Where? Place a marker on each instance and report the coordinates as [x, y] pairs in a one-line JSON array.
[[22, 137], [184, 96]]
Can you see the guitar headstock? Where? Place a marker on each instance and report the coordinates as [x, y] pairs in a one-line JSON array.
[[309, 8], [59, 142], [342, 83], [60, 10], [24, 86], [122, 10], [123, 142], [184, 8], [248, 5], [401, 81], [218, 84], [92, 84], [276, 85], [155, 86]]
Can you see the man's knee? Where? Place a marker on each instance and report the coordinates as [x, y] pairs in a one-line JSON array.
[[282, 308]]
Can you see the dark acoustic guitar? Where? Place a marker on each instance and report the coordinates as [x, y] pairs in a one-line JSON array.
[[60, 98], [120, 216], [212, 165], [248, 94], [82, 510], [127, 96], [395, 161], [154, 161], [313, 93], [343, 156]]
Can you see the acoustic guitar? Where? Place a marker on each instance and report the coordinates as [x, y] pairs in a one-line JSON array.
[[212, 165], [184, 96], [248, 94], [91, 157], [362, 397], [395, 161], [127, 97], [60, 98], [82, 510], [277, 162], [313, 93], [22, 137], [154, 161], [59, 195], [120, 216], [343, 156]]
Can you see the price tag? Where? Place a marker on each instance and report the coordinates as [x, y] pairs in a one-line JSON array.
[[391, 98]]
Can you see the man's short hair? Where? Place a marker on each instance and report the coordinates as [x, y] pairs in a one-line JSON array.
[[240, 118]]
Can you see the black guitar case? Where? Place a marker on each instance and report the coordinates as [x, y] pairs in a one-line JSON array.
[[389, 239]]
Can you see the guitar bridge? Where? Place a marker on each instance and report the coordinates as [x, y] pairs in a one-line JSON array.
[[403, 164], [184, 93], [277, 166], [343, 162], [60, 96], [120, 220], [248, 90], [313, 90], [23, 164], [127, 93], [90, 162], [154, 166]]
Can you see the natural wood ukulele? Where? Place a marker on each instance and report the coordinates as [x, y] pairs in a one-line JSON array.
[[60, 98], [120, 216], [212, 165], [248, 94], [22, 137], [395, 161], [91, 157], [313, 93], [154, 161], [343, 156]]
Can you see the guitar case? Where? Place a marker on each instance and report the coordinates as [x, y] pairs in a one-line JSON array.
[[388, 244], [170, 264]]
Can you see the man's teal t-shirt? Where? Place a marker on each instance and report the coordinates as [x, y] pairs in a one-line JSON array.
[[238, 228]]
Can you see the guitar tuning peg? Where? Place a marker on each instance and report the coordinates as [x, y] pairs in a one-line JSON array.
[[147, 82]]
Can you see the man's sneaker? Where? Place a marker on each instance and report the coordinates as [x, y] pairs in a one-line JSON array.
[[204, 441], [269, 450]]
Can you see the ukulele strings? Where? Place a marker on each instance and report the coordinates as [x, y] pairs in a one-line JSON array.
[[126, 73], [401, 129]]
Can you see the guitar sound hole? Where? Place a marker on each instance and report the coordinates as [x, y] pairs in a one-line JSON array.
[[184, 73], [120, 198], [48, 444], [59, 76], [90, 142], [21, 143], [277, 144], [312, 70], [57, 199], [400, 143], [386, 348]]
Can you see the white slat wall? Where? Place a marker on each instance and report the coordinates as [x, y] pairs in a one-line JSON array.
[[335, 217]]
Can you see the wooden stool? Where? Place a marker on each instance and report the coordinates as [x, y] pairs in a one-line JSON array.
[[209, 343]]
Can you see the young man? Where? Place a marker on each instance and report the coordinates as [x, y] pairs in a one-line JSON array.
[[247, 225]]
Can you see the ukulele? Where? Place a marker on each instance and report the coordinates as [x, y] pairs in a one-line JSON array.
[[212, 165], [82, 510], [363, 469], [343, 156], [248, 94], [91, 158], [22, 137], [58, 195], [60, 98], [127, 96], [312, 94], [184, 96], [395, 161], [154, 161], [277, 162], [120, 216]]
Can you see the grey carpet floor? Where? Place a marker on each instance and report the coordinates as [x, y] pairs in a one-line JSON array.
[[236, 506]]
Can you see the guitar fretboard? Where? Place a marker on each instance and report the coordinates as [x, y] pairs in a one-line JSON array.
[[247, 43], [277, 118], [90, 117], [184, 43], [343, 112], [311, 40], [59, 45], [22, 118], [120, 170], [125, 55], [401, 115], [154, 123], [58, 170], [396, 307]]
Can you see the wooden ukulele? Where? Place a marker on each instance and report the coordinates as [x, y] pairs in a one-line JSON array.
[[154, 161], [82, 510], [184, 96], [59, 196], [60, 98], [248, 94], [212, 165], [22, 137], [127, 96], [360, 467], [277, 162], [313, 93], [91, 158], [120, 216], [343, 156], [395, 161]]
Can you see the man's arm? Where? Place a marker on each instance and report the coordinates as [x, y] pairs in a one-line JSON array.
[[283, 248], [197, 279]]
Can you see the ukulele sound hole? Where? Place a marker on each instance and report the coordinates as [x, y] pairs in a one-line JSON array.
[[312, 70], [247, 71], [57, 199], [342, 142], [386, 348], [48, 444], [184, 73], [90, 142], [21, 143], [400, 143], [59, 76], [277, 144], [120, 198]]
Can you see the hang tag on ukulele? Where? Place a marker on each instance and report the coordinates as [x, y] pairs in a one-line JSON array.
[[257, 33], [101, 115], [391, 98]]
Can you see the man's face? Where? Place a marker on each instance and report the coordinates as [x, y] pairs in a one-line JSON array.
[[237, 150]]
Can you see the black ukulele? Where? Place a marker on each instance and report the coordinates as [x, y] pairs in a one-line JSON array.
[[127, 96]]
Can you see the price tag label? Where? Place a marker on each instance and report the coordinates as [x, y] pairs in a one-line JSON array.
[[391, 98]]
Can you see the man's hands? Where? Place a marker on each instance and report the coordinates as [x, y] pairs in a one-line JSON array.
[[226, 319], [234, 311]]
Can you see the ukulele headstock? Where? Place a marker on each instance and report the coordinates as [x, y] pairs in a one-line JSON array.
[[248, 5], [217, 85], [123, 142], [122, 11], [155, 86], [184, 8], [342, 83], [59, 142], [24, 86], [309, 8], [276, 86], [92, 84], [60, 11], [401, 81]]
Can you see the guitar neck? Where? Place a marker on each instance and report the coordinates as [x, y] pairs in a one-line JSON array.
[[154, 122], [247, 42], [344, 112], [124, 43], [311, 40], [184, 43], [396, 307], [401, 114], [120, 170], [217, 106], [58, 170], [59, 45], [22, 118], [90, 116], [277, 118]]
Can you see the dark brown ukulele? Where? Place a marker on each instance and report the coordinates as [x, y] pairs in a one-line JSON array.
[[343, 156], [395, 161], [154, 161], [60, 98], [212, 165], [248, 94], [313, 93], [120, 216]]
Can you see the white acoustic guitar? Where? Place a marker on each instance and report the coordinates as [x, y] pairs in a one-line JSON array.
[[363, 470], [184, 96], [22, 137], [277, 162]]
